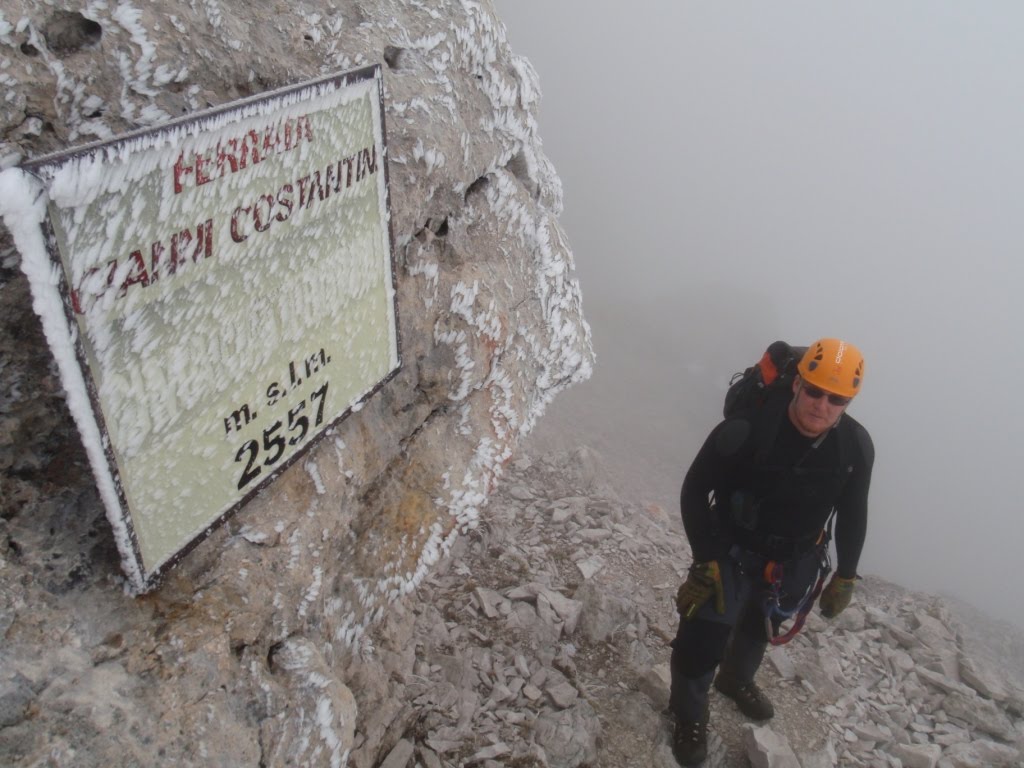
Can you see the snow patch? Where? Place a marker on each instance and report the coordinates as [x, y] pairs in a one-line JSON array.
[[314, 472]]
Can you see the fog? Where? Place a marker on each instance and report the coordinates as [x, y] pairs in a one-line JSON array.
[[737, 172]]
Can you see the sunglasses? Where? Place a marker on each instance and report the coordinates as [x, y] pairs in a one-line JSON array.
[[816, 393]]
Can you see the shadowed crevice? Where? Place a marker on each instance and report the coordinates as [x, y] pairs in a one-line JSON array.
[[67, 32]]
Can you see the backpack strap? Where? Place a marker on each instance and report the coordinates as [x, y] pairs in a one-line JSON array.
[[855, 446], [768, 421]]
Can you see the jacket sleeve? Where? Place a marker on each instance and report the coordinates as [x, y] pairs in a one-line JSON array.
[[711, 465], [852, 509]]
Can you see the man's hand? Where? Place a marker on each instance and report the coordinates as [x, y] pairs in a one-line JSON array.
[[703, 581], [836, 596]]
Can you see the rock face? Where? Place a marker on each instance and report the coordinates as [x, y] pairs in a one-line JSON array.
[[246, 654]]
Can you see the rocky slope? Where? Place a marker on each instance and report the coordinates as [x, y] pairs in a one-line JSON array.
[[543, 641]]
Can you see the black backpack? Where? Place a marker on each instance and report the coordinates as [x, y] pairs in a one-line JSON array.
[[774, 372]]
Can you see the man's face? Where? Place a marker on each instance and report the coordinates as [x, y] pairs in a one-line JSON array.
[[813, 411]]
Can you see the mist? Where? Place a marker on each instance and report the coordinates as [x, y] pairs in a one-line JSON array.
[[735, 173]]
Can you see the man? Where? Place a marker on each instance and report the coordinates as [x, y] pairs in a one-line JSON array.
[[759, 495]]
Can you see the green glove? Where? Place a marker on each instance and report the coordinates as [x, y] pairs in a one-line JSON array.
[[836, 596], [703, 581]]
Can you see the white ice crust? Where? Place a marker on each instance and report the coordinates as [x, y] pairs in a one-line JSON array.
[[23, 208]]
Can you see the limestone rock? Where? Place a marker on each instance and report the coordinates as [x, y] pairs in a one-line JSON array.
[[851, 620], [783, 664], [399, 756], [15, 697], [981, 713], [982, 679], [590, 566], [603, 613], [568, 737], [563, 694], [917, 755], [820, 758], [316, 723], [981, 754], [242, 646], [767, 749], [656, 684]]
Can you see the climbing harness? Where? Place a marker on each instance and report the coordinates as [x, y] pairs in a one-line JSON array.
[[771, 602]]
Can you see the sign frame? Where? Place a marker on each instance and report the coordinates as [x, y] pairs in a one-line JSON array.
[[141, 578]]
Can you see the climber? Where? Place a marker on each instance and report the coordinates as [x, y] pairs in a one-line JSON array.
[[759, 499]]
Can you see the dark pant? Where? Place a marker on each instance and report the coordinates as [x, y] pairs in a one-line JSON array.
[[737, 638]]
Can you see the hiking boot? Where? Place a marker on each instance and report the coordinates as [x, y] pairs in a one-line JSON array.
[[748, 697], [690, 741]]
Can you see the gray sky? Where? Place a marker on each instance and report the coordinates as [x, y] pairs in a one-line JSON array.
[[740, 172]]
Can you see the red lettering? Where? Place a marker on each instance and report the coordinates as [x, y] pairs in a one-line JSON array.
[[366, 163], [257, 218], [303, 122], [270, 145], [76, 294], [330, 178], [318, 187], [236, 234], [156, 251], [243, 153], [348, 161], [184, 245], [236, 154], [180, 169], [240, 152], [303, 183], [137, 273], [255, 149], [86, 287], [204, 232], [284, 200], [179, 242], [201, 175], [225, 157]]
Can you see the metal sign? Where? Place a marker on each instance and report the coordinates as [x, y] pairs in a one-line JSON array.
[[228, 280]]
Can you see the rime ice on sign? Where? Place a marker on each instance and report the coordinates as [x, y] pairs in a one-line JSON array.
[[229, 280]]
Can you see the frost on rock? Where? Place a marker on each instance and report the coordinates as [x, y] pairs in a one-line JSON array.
[[22, 208], [490, 329], [322, 711]]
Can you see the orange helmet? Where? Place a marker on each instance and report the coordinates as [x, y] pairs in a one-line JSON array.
[[833, 365]]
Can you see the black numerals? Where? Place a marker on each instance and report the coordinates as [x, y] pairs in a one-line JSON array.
[[322, 395], [274, 442], [252, 470], [296, 421]]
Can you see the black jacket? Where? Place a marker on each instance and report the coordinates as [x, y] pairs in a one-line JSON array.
[[759, 483]]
